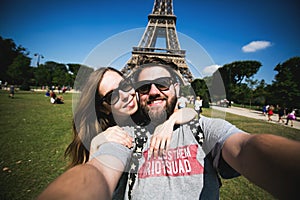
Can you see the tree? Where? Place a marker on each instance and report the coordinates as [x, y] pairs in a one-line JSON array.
[[18, 71], [286, 86], [55, 73], [200, 88], [59, 74], [230, 76], [9, 52], [260, 93], [251, 85], [42, 76], [74, 68], [73, 71]]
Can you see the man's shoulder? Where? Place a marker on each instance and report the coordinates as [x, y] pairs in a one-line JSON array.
[[193, 124]]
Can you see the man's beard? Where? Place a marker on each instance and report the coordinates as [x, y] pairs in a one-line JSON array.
[[158, 114]]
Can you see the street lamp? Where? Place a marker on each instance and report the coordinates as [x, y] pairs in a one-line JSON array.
[[39, 56]]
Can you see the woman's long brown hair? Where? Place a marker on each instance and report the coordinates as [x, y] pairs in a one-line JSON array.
[[89, 118]]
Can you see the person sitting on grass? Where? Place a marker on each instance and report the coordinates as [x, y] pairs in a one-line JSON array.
[[56, 99]]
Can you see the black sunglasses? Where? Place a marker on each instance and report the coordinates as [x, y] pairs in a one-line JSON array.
[[113, 96], [163, 84]]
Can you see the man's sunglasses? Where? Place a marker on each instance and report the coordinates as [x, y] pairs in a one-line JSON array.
[[113, 96], [163, 84]]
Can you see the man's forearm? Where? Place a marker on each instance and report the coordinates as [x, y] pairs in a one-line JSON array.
[[273, 163]]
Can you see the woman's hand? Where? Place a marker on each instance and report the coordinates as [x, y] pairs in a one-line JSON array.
[[161, 138], [112, 134]]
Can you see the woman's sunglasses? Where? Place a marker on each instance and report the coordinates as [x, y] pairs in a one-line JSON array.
[[113, 96], [163, 84]]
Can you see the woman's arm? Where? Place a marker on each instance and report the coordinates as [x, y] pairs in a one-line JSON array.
[[163, 133], [161, 137], [80, 182], [96, 179]]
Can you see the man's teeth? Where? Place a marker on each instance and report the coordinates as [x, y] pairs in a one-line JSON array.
[[156, 101]]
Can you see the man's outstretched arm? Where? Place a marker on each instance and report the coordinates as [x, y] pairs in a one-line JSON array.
[[269, 161]]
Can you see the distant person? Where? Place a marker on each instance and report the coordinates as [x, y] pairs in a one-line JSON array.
[[198, 105], [59, 100], [47, 94], [56, 99], [52, 97], [229, 103], [191, 99], [12, 91], [270, 112], [64, 89], [265, 109], [59, 89], [291, 117], [182, 102], [281, 113]]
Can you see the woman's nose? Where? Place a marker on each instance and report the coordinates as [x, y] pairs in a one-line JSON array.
[[125, 95]]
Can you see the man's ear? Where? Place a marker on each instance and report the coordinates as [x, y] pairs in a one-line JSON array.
[[177, 88]]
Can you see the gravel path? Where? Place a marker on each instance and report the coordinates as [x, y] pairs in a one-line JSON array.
[[254, 114]]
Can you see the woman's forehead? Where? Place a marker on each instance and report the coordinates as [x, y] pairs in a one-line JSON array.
[[110, 81]]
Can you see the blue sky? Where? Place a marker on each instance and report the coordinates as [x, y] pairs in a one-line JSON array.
[[227, 31]]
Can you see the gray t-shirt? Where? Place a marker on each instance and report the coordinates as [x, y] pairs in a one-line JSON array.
[[189, 170]]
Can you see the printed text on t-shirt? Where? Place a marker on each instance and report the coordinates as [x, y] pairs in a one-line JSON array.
[[181, 161]]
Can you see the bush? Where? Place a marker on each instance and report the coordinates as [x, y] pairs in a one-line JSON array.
[[25, 87]]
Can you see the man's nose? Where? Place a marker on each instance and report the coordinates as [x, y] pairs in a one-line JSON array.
[[154, 90]]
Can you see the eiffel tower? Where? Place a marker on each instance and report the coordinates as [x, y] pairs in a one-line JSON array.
[[162, 26]]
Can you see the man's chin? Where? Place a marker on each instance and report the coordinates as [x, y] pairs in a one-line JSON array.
[[157, 114]]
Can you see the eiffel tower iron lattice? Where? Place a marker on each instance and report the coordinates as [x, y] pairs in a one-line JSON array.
[[161, 28]]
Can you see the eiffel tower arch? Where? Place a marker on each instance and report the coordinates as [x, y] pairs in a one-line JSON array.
[[161, 28]]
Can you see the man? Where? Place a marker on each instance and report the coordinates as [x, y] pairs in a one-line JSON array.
[[190, 168], [225, 150], [182, 101]]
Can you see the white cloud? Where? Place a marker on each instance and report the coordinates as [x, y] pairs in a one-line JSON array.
[[209, 70], [255, 46]]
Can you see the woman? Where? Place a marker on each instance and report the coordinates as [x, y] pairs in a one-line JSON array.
[[198, 106], [270, 112], [291, 117], [108, 100]]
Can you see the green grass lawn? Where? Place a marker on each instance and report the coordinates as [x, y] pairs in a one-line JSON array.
[[35, 133]]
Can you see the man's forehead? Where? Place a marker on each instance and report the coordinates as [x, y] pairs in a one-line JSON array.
[[153, 72]]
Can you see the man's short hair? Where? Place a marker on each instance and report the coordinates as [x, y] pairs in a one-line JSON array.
[[158, 62]]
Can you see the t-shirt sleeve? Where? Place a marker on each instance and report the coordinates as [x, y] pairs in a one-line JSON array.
[[216, 131], [115, 150]]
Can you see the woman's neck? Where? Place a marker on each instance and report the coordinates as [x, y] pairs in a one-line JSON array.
[[123, 120]]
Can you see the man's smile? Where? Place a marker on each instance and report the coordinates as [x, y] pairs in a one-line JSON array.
[[156, 102]]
